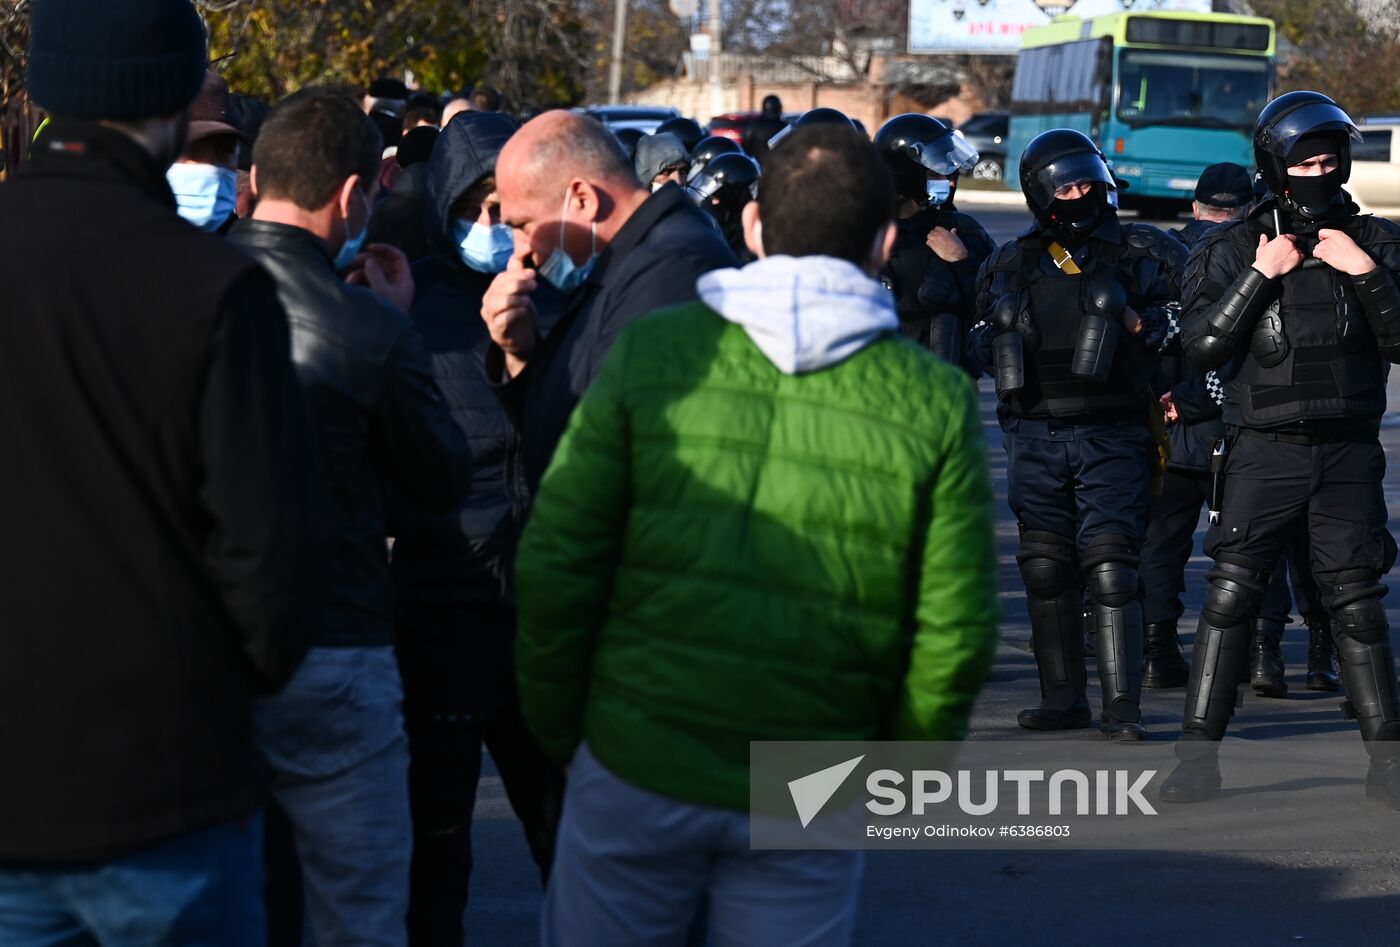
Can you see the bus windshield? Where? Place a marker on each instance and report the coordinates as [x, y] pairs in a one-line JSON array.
[[1203, 90]]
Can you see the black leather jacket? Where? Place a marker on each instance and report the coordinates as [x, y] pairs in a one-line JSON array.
[[378, 416]]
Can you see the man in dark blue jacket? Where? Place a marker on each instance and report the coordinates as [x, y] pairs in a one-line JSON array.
[[587, 226], [455, 621]]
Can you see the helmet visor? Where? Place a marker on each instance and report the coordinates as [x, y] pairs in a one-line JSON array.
[[946, 155], [703, 186], [1279, 138], [1079, 168]]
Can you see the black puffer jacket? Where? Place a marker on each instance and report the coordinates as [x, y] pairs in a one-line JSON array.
[[461, 558], [378, 416]]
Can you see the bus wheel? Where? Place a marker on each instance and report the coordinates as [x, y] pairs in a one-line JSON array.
[[988, 169]]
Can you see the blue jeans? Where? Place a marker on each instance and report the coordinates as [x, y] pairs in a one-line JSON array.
[[634, 867], [201, 888], [335, 740]]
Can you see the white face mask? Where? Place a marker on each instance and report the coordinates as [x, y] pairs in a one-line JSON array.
[[560, 271], [205, 194]]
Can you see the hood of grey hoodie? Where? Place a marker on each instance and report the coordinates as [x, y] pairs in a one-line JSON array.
[[804, 313]]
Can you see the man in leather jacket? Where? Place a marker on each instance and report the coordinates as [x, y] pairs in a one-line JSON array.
[[1297, 308], [335, 737]]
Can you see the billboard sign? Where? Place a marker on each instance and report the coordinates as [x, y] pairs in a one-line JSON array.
[[995, 26]]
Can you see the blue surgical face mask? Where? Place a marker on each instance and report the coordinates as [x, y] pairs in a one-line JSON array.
[[484, 249], [560, 271], [353, 244], [206, 194], [939, 192]]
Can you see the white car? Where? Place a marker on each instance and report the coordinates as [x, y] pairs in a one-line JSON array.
[[1375, 167]]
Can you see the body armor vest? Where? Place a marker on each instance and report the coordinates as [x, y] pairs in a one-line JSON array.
[[1055, 306], [1311, 357]]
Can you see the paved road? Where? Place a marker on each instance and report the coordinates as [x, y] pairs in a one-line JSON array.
[[1320, 897]]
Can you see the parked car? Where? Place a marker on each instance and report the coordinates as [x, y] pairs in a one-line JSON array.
[[733, 125], [644, 118], [986, 131], [1375, 166]]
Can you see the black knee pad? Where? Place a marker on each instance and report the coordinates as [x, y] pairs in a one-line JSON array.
[[1357, 612], [1111, 547], [1234, 594], [1112, 584], [1048, 563]]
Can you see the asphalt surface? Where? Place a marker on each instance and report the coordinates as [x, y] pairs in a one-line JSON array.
[[1007, 897]]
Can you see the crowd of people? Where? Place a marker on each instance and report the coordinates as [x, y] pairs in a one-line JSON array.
[[355, 438]]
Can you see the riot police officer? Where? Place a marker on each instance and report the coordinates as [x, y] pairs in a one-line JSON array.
[[1298, 309], [727, 183], [1075, 307], [932, 271]]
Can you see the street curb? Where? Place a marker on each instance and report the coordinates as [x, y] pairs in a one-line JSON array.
[[967, 196]]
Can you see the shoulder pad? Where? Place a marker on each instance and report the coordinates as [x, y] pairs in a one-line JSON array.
[[1372, 229], [1155, 243], [1142, 236], [1006, 258]]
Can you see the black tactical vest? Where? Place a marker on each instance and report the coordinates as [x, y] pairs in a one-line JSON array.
[[1055, 310], [1312, 356]]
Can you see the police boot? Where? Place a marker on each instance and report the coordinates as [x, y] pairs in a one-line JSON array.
[[1266, 659], [1383, 780], [1220, 653], [1112, 584], [1053, 600], [1322, 655], [1368, 668], [1164, 666], [1197, 777], [1057, 637]]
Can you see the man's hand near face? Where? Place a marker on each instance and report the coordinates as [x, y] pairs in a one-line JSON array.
[[510, 314]]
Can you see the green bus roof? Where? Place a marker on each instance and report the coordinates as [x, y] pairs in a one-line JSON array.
[[1069, 29]]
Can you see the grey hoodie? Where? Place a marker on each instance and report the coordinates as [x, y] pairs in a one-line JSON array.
[[804, 313], [655, 153]]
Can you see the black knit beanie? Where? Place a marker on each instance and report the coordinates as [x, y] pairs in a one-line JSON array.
[[116, 59]]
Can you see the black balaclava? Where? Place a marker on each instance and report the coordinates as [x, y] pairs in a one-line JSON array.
[[1074, 220], [1315, 196]]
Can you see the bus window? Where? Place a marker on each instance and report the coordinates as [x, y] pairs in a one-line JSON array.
[[1205, 90]]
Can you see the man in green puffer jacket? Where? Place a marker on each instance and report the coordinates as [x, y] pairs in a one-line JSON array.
[[770, 519]]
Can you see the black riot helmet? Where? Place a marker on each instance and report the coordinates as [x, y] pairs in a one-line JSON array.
[[914, 144], [729, 181], [1296, 126], [709, 149], [772, 107], [818, 116], [1057, 159], [686, 129]]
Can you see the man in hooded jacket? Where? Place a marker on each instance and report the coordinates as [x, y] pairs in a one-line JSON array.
[[455, 617]]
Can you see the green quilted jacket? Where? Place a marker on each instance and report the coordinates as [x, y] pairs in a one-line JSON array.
[[724, 552]]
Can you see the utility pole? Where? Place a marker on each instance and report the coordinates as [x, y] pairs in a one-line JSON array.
[[716, 83], [619, 46]]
